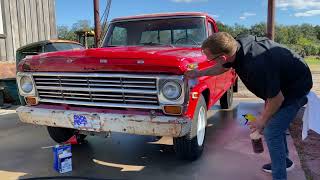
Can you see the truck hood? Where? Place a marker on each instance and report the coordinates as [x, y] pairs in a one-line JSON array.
[[137, 59]]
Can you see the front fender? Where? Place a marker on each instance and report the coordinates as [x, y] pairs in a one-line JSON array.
[[193, 100]]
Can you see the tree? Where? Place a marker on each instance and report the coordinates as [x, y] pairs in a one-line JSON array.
[[240, 29], [297, 48], [308, 31], [235, 30], [259, 29], [282, 34], [82, 25], [317, 32], [65, 33], [224, 28]]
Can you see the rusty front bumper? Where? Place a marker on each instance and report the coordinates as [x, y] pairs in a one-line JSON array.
[[107, 122]]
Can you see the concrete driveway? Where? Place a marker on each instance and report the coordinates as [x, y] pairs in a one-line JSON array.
[[228, 153]]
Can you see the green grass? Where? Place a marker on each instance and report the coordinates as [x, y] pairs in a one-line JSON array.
[[311, 60], [313, 63]]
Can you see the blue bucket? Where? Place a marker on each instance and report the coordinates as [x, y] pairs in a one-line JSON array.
[[62, 158]]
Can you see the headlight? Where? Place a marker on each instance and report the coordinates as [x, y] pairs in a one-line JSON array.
[[171, 90], [26, 84]]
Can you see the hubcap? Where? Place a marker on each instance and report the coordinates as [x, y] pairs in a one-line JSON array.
[[201, 127]]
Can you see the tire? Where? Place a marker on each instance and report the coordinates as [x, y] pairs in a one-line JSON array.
[[191, 145], [61, 135], [235, 86], [227, 99], [1, 98]]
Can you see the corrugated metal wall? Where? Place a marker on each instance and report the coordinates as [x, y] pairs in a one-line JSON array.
[[25, 21]]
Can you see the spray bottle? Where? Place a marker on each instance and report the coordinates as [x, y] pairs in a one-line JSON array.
[[256, 137]]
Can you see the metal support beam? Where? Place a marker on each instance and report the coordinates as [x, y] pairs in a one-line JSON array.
[[97, 26], [271, 18]]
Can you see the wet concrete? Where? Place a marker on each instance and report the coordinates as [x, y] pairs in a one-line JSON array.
[[228, 153]]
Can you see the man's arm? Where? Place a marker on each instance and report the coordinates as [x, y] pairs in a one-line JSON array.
[[271, 107], [211, 71]]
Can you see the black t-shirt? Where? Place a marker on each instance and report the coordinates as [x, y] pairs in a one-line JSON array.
[[266, 67]]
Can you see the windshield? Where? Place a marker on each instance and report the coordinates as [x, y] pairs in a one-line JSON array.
[[172, 32], [61, 47]]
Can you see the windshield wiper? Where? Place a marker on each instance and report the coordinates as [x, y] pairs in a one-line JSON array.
[[156, 44]]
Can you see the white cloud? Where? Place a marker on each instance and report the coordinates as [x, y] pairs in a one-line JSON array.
[[303, 8], [308, 13], [298, 4], [245, 15], [188, 1]]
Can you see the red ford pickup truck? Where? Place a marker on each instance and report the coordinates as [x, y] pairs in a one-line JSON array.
[[133, 84]]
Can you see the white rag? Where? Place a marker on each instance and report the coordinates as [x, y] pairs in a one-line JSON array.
[[311, 117]]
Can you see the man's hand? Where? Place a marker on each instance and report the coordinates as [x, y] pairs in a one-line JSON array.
[[192, 74], [272, 105], [257, 125]]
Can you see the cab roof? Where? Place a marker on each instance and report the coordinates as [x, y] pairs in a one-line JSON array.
[[160, 15]]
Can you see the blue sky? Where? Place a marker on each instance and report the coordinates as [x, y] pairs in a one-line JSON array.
[[245, 12]]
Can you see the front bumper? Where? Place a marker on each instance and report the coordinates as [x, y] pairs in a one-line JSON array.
[[107, 122]]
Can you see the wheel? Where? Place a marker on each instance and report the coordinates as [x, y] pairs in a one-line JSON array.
[[227, 99], [1, 97], [191, 145], [61, 135]]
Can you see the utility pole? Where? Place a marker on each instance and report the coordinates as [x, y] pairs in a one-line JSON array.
[[271, 17], [97, 26]]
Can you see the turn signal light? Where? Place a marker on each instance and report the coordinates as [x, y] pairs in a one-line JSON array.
[[173, 110], [195, 95], [31, 100]]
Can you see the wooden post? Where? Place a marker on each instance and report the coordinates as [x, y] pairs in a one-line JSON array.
[[97, 26], [271, 17]]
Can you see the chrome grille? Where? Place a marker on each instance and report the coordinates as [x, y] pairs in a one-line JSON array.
[[107, 90]]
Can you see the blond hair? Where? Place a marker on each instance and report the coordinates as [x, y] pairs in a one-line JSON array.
[[220, 43]]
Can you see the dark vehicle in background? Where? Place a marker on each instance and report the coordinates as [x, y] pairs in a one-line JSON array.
[[46, 46], [38, 48]]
